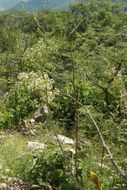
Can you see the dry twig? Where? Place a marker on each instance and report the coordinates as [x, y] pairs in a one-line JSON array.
[[113, 161]]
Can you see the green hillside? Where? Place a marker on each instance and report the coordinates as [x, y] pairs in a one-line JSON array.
[[63, 98]]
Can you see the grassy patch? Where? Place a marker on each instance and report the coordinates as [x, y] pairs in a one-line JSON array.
[[12, 148]]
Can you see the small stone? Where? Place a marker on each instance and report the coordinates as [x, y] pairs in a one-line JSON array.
[[35, 145], [2, 137], [65, 140], [101, 165], [4, 186]]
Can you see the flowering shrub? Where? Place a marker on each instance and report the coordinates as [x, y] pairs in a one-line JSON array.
[[39, 85], [42, 55], [31, 90]]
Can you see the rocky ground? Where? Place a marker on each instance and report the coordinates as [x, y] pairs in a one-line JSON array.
[[10, 183]]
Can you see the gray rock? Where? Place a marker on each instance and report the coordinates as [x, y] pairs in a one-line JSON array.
[[35, 145], [65, 140], [41, 114]]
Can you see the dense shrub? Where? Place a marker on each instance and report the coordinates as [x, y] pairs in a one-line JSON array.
[[50, 168], [6, 119], [30, 91]]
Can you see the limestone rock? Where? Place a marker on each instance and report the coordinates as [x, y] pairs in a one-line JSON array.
[[4, 186], [65, 140], [41, 113], [35, 145]]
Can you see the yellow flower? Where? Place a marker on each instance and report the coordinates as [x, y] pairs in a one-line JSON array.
[[95, 180]]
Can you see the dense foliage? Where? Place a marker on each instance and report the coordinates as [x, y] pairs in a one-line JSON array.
[[53, 58]]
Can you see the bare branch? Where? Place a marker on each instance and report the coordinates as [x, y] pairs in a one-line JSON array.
[[113, 161]]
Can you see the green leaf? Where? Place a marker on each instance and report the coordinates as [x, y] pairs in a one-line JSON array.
[[81, 154], [57, 174]]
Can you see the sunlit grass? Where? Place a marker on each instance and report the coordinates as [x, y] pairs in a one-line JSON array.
[[12, 147]]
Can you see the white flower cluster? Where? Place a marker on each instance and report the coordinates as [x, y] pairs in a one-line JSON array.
[[37, 83], [41, 53]]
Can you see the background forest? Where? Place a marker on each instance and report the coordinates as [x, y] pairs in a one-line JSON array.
[[65, 73]]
